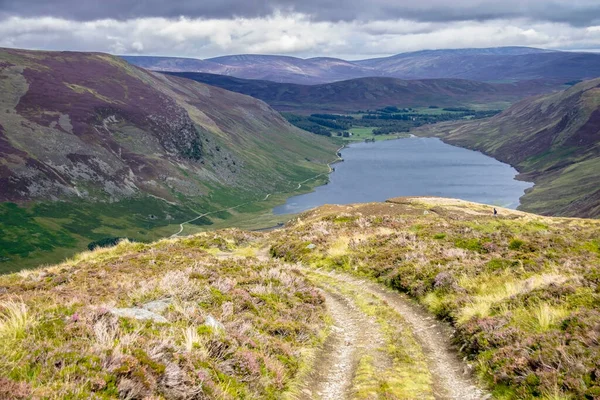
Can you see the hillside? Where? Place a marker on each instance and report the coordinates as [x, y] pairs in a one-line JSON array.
[[320, 307], [372, 93], [93, 147], [177, 64], [502, 64], [553, 140], [264, 67]]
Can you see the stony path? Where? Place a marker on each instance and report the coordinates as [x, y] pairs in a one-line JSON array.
[[353, 335], [356, 335]]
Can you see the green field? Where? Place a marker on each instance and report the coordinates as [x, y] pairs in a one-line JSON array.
[[383, 123], [47, 233], [363, 133]]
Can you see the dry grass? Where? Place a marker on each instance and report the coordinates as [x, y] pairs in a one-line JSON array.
[[522, 291], [61, 340], [14, 320]]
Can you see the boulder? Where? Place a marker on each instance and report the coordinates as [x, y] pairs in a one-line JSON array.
[[157, 306], [139, 314], [213, 323]]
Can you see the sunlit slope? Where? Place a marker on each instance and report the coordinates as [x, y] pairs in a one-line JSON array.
[[553, 140], [129, 151]]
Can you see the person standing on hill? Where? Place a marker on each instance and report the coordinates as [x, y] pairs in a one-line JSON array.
[[495, 212]]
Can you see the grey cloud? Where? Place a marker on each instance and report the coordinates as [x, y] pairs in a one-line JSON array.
[[574, 12]]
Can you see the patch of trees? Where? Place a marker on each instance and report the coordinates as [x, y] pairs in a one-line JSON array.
[[386, 130], [333, 116], [314, 128], [333, 124], [431, 118], [458, 109], [387, 120], [303, 122]]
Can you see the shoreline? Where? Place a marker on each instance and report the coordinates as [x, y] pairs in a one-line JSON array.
[[516, 177]]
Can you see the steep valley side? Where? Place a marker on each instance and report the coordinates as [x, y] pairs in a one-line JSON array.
[[553, 140], [92, 147]]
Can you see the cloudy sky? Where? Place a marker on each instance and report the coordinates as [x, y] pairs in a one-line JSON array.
[[351, 29]]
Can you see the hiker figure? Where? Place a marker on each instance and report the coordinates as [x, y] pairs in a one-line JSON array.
[[495, 212]]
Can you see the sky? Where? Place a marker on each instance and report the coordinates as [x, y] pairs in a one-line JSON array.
[[350, 29]]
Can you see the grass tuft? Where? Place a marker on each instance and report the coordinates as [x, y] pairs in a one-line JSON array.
[[14, 320]]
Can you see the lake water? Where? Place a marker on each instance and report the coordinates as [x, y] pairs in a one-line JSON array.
[[413, 167]]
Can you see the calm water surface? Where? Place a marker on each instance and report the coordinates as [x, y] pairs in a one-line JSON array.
[[413, 167]]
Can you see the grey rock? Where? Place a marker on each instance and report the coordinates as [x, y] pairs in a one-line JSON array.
[[213, 323], [311, 246], [139, 314], [157, 306]]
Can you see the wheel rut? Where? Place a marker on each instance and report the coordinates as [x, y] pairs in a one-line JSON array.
[[353, 336], [356, 335], [451, 375]]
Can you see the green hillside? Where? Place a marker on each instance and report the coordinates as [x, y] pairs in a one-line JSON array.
[[375, 92], [553, 140], [92, 148]]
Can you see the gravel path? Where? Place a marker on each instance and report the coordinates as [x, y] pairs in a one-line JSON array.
[[450, 374], [353, 335]]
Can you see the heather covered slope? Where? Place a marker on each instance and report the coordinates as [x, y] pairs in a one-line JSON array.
[[208, 327], [520, 291], [372, 93], [131, 151], [493, 64], [553, 140]]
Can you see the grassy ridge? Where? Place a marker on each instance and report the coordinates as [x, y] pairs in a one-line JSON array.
[[370, 93], [232, 328], [521, 290]]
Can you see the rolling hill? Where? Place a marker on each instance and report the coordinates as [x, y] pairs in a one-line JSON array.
[[266, 67], [553, 140], [502, 64], [371, 93], [92, 147]]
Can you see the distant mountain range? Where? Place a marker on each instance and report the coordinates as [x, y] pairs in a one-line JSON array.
[[505, 64], [272, 68], [553, 140], [371, 93]]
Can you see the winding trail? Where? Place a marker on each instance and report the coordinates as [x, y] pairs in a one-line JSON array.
[[355, 334], [352, 336], [450, 373], [181, 225]]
